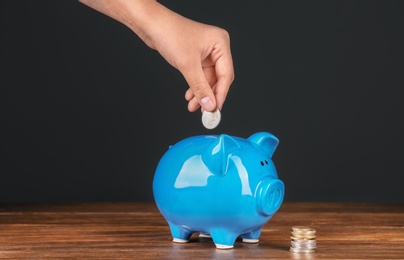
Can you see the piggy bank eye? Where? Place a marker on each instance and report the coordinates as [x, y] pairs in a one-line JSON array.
[[266, 162], [262, 163]]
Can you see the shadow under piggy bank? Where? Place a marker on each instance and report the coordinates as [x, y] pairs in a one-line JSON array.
[[222, 186]]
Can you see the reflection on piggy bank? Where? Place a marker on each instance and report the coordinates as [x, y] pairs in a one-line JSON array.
[[222, 186]]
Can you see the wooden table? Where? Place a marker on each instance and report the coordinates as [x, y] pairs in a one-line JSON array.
[[138, 231]]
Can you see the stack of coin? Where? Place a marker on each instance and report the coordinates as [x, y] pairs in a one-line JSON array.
[[303, 240]]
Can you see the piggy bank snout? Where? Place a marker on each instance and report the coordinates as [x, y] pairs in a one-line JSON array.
[[270, 196]]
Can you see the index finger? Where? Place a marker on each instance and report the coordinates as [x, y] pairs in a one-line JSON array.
[[225, 77]]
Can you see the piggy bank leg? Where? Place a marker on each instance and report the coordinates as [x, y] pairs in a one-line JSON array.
[[223, 239], [180, 234], [205, 235], [252, 237]]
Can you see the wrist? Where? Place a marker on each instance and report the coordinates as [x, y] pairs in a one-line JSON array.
[[150, 21], [139, 16]]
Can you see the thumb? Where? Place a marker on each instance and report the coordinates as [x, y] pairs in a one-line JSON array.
[[200, 88]]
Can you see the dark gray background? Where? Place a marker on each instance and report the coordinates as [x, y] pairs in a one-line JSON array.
[[87, 109]]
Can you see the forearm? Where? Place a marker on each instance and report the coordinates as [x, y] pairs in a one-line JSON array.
[[138, 15]]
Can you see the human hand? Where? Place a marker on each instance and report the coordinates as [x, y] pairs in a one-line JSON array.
[[199, 51]]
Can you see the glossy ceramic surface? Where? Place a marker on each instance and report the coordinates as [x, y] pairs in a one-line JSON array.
[[222, 186]]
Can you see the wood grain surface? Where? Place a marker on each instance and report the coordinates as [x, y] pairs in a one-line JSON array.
[[138, 231]]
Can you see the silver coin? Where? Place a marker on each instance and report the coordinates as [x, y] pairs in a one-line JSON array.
[[211, 120], [301, 250], [303, 244]]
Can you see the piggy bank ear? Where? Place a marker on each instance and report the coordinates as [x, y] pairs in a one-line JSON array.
[[266, 141], [216, 155]]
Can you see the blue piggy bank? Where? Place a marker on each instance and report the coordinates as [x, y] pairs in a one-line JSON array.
[[221, 186]]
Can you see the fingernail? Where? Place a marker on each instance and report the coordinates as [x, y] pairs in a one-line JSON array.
[[207, 104]]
